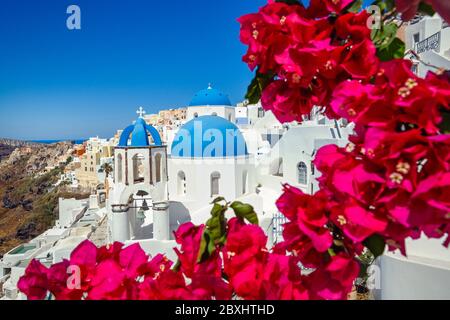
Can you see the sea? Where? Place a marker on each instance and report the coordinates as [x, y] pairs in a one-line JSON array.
[[74, 141]]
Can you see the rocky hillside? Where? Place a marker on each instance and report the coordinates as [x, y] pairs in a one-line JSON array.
[[5, 151], [28, 198]]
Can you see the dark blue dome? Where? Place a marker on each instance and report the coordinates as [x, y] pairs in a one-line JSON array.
[[209, 136], [139, 133], [210, 97]]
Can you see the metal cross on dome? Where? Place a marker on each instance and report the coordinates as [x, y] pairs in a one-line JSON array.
[[141, 112]]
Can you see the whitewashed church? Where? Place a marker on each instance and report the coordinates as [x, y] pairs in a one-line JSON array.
[[218, 151], [240, 154]]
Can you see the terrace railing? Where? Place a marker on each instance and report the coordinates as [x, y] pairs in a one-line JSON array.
[[431, 43]]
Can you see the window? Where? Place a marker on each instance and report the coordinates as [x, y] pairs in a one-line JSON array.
[[416, 37], [215, 180], [261, 112], [195, 115], [182, 190], [214, 114], [138, 168], [158, 167], [302, 173], [245, 182], [119, 169]]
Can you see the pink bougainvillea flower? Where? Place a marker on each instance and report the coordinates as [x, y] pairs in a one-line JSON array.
[[283, 279], [188, 236], [167, 285], [108, 282], [334, 280], [320, 8], [59, 283], [34, 284], [356, 222], [312, 219], [361, 62], [353, 27], [288, 104], [245, 243], [111, 251], [133, 260]]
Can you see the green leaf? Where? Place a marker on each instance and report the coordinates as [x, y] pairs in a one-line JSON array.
[[207, 247], [396, 50], [245, 211], [375, 244], [203, 247], [177, 266], [384, 5], [216, 225], [331, 252], [256, 87], [426, 8], [218, 199], [217, 209], [362, 270], [211, 248], [355, 6], [382, 38], [445, 124]]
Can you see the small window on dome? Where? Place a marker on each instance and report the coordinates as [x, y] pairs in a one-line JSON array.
[[214, 114], [196, 115]]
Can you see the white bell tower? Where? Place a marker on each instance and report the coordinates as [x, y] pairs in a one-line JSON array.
[[140, 180]]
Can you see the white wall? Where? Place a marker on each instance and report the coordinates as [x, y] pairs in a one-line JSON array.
[[424, 274], [69, 211], [198, 178], [226, 112], [412, 279], [299, 144]]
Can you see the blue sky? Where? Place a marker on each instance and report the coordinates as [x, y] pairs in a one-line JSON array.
[[62, 84]]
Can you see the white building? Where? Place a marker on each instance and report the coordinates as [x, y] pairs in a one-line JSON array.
[[140, 180], [78, 219], [155, 191], [209, 159], [429, 38]]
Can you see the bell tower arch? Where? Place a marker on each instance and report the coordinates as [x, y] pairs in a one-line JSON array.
[[140, 167]]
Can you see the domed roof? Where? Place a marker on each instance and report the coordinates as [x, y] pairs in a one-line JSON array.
[[209, 136], [137, 134], [210, 97]]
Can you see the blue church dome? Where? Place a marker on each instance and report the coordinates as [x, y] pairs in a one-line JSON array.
[[139, 133], [209, 136], [210, 97]]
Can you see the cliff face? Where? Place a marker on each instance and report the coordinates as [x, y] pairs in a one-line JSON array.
[[5, 151], [28, 198]]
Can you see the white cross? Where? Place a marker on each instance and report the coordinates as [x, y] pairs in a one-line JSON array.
[[141, 112]]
